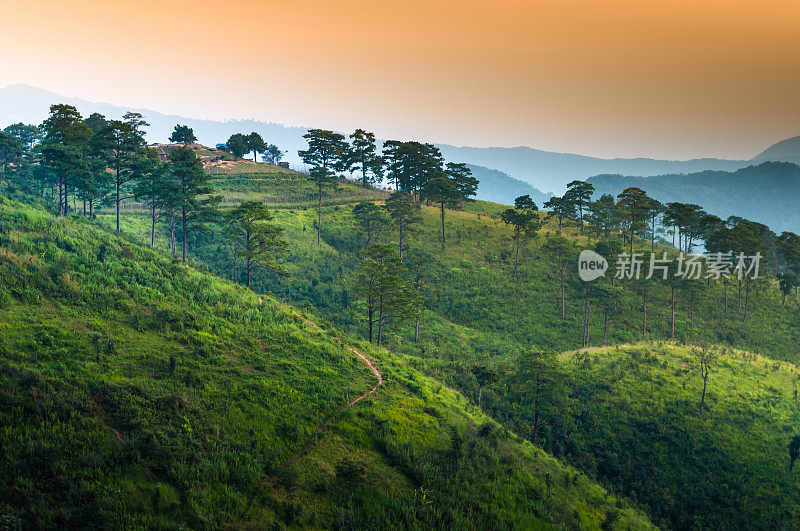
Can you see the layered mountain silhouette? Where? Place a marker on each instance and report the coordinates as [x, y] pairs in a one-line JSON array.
[[505, 172], [765, 192], [499, 187], [23, 103], [551, 171], [784, 151]]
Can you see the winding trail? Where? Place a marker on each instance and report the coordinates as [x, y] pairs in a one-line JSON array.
[[375, 371], [313, 438]]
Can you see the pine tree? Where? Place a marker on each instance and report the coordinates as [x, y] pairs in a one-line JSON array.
[[389, 298], [526, 222], [371, 219], [64, 147], [579, 195], [255, 241], [324, 179], [363, 157], [404, 213], [120, 144], [193, 190]]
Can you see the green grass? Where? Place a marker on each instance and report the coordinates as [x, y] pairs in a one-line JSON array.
[[139, 392], [282, 190], [476, 312], [642, 433], [469, 284], [288, 189]]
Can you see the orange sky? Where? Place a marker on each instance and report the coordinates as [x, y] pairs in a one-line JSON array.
[[678, 79]]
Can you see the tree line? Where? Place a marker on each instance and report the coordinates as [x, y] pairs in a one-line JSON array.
[[617, 222], [82, 164], [100, 162], [419, 174], [240, 144], [86, 163], [414, 168]]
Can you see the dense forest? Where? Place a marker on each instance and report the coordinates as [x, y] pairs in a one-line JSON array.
[[192, 325]]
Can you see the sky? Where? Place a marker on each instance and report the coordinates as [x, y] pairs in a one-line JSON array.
[[669, 79]]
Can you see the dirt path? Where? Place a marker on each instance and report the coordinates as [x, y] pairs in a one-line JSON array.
[[375, 371], [313, 438]]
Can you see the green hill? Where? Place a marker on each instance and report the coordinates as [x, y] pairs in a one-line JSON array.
[[186, 400], [139, 392], [642, 433], [477, 314]]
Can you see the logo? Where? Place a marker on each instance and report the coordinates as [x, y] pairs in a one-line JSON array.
[[591, 265]]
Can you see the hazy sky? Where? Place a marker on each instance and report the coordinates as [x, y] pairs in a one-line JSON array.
[[676, 79]]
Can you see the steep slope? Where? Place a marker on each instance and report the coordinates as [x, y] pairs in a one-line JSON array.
[[469, 284], [763, 193], [140, 392], [727, 467], [477, 316]]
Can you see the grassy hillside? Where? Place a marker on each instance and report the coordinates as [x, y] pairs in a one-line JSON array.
[[642, 432], [283, 190], [240, 180], [140, 392], [469, 284], [477, 314]]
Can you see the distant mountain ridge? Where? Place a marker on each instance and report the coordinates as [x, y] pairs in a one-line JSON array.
[[766, 192], [545, 171], [23, 103], [499, 187], [551, 171], [784, 151]]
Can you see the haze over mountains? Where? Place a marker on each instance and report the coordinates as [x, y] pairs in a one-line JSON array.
[[499, 187], [23, 103], [784, 151], [764, 193], [503, 171], [551, 171]]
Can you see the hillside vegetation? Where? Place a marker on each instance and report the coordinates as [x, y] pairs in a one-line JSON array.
[[477, 314], [469, 284], [726, 467], [141, 392], [395, 358], [238, 180]]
